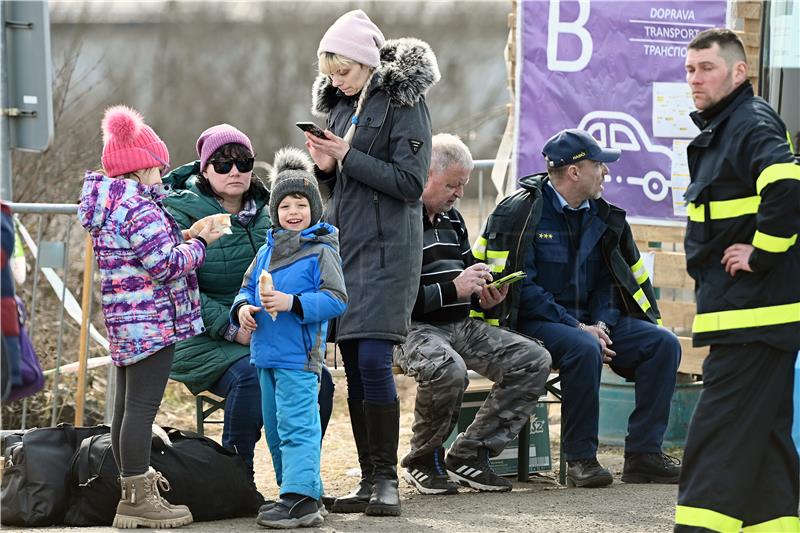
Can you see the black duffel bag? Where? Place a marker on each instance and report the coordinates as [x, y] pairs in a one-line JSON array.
[[211, 480], [35, 489]]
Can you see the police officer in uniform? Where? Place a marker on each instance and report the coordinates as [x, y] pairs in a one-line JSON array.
[[588, 297], [740, 465]]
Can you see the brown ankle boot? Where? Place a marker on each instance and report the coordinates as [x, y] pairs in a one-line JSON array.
[[142, 505]]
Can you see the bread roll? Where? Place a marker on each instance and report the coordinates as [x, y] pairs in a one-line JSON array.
[[264, 285]]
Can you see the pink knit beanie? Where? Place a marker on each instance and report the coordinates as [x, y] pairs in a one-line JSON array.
[[129, 144], [355, 37], [216, 136]]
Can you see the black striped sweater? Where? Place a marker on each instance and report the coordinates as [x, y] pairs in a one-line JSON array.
[[445, 253]]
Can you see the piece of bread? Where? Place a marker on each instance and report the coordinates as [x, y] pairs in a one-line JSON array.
[[265, 284], [222, 221]]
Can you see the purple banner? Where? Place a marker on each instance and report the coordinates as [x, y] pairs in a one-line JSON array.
[[614, 69]]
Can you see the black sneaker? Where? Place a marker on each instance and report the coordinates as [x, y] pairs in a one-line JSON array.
[[323, 509], [650, 468], [428, 475], [291, 511], [587, 473], [476, 472]]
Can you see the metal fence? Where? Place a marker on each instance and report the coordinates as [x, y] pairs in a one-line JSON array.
[[52, 267]]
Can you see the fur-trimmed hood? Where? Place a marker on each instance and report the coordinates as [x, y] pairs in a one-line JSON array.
[[408, 69]]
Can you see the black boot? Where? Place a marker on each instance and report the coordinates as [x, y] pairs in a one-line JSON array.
[[383, 426], [357, 500]]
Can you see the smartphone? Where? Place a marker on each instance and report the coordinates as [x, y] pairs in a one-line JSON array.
[[311, 128], [508, 280]]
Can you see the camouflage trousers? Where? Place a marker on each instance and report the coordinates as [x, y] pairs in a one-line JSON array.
[[438, 357]]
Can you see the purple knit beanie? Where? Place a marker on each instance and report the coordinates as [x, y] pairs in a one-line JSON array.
[[355, 37], [216, 136]]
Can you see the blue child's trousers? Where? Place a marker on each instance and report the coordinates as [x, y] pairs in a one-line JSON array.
[[291, 423]]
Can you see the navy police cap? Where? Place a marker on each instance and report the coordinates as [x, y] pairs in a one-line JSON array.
[[570, 146]]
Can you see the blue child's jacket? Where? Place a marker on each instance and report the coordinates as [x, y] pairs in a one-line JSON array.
[[305, 264]]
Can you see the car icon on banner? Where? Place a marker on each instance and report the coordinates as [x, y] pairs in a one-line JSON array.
[[614, 129]]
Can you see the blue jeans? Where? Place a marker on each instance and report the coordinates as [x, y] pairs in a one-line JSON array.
[[291, 423], [242, 423], [649, 352]]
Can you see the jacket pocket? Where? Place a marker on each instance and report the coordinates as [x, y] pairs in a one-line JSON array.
[[697, 199], [376, 202], [173, 310], [368, 127], [552, 258]]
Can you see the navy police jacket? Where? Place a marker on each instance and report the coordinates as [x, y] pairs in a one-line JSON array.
[[605, 277]]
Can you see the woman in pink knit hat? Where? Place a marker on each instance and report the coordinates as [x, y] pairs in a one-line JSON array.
[[149, 296], [373, 163]]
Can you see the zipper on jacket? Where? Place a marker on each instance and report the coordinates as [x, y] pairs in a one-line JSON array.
[[377, 205], [250, 238]]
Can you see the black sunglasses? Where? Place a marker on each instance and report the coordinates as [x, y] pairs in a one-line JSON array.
[[223, 166]]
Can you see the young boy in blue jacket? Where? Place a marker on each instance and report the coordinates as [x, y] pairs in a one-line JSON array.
[[288, 318]]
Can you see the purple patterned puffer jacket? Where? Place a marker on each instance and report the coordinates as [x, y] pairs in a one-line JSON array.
[[149, 288]]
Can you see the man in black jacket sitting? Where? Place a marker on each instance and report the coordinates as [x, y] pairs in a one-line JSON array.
[[588, 297], [443, 343]]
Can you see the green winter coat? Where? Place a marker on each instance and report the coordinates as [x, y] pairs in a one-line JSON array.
[[200, 361]]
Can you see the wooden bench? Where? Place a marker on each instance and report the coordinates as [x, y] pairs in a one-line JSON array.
[[674, 287]]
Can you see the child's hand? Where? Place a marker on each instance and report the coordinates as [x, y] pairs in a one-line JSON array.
[[195, 229], [210, 233], [246, 320], [276, 301]]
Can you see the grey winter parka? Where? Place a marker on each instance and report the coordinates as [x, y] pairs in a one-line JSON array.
[[374, 198]]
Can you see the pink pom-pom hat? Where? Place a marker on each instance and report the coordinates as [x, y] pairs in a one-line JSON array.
[[129, 144]]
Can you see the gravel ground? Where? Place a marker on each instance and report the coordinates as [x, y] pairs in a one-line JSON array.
[[539, 505]]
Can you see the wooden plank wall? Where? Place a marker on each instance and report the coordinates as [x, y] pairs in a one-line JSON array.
[[675, 287]]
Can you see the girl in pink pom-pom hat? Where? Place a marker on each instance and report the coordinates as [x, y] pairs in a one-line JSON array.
[[149, 295]]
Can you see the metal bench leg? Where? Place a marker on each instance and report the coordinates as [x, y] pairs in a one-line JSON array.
[[562, 462], [524, 451], [199, 414]]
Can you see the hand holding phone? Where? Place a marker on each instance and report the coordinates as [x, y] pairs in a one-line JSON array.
[[311, 128], [509, 279]]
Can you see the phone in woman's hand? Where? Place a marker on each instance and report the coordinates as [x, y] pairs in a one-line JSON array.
[[311, 128]]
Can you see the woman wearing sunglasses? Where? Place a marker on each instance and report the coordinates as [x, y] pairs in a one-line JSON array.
[[222, 182], [373, 162]]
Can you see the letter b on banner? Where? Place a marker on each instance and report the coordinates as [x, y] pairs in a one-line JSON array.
[[555, 27]]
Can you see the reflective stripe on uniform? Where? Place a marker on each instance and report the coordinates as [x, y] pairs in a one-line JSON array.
[[712, 520], [784, 524], [777, 172], [496, 260], [771, 243], [660, 322], [479, 248], [746, 318], [642, 300], [640, 271], [479, 314], [721, 209]]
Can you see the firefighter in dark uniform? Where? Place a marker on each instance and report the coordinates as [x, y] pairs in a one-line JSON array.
[[586, 287], [740, 465]]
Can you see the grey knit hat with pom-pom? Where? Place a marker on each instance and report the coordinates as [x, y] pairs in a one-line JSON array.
[[293, 173]]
